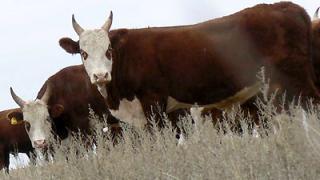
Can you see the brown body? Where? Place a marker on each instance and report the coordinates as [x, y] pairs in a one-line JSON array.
[[316, 47], [211, 61], [70, 97], [13, 138]]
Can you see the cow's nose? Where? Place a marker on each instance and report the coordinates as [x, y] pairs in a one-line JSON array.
[[40, 143], [100, 78]]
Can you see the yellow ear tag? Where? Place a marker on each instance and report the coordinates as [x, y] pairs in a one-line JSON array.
[[14, 121]]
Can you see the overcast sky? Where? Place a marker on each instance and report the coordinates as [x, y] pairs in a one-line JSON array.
[[30, 30]]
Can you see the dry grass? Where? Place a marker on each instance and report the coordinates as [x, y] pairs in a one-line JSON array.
[[290, 151]]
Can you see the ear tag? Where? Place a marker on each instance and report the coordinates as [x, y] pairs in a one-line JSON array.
[[14, 121]]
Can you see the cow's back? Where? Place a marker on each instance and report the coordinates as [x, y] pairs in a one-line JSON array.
[[210, 61], [71, 88]]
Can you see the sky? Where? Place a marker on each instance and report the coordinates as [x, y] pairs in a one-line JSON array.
[[30, 31]]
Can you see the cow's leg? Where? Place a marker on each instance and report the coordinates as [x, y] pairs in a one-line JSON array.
[[4, 157], [116, 132], [153, 107], [7, 160], [114, 128]]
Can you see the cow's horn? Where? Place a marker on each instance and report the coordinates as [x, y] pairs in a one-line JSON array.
[[76, 26], [316, 14], [108, 23], [46, 95], [17, 99]]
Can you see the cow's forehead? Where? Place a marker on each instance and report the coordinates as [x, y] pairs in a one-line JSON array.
[[92, 39], [33, 105]]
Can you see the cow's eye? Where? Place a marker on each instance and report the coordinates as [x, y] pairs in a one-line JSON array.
[[84, 54], [27, 125], [109, 52]]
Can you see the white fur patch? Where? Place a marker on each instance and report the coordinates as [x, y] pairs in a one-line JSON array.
[[96, 43], [36, 113], [130, 112]]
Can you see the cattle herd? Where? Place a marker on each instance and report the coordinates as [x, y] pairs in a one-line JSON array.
[[127, 74]]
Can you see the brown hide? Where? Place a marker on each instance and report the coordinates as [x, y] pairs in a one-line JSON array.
[[210, 61], [71, 94], [316, 49], [13, 138]]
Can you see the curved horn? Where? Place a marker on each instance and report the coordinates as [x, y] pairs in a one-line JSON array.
[[316, 14], [108, 23], [76, 26], [17, 99], [45, 97]]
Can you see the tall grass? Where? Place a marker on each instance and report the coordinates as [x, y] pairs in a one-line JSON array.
[[290, 151]]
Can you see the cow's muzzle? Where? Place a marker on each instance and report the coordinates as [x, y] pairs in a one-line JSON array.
[[40, 144], [101, 79]]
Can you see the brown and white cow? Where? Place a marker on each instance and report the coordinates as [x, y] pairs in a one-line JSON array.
[[204, 63], [13, 136], [62, 105]]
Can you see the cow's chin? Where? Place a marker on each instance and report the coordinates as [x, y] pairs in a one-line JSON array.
[[103, 90]]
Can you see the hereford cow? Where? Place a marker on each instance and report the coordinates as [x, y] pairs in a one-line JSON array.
[[13, 136], [204, 63], [62, 105]]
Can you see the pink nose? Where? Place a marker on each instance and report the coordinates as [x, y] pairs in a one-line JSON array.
[[100, 78], [40, 143]]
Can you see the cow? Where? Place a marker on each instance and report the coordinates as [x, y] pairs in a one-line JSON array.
[[62, 107], [13, 136], [204, 63]]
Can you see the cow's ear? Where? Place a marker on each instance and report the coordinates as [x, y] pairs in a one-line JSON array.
[[56, 110], [70, 45], [15, 117], [118, 37]]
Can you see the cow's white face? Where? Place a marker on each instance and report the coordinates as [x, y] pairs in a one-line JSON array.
[[36, 117], [95, 50], [38, 126]]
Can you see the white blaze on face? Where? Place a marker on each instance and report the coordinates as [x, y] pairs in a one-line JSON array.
[[94, 45], [130, 112], [37, 115], [95, 50]]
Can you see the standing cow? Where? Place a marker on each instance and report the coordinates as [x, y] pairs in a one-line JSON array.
[[62, 105], [13, 136], [204, 63]]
